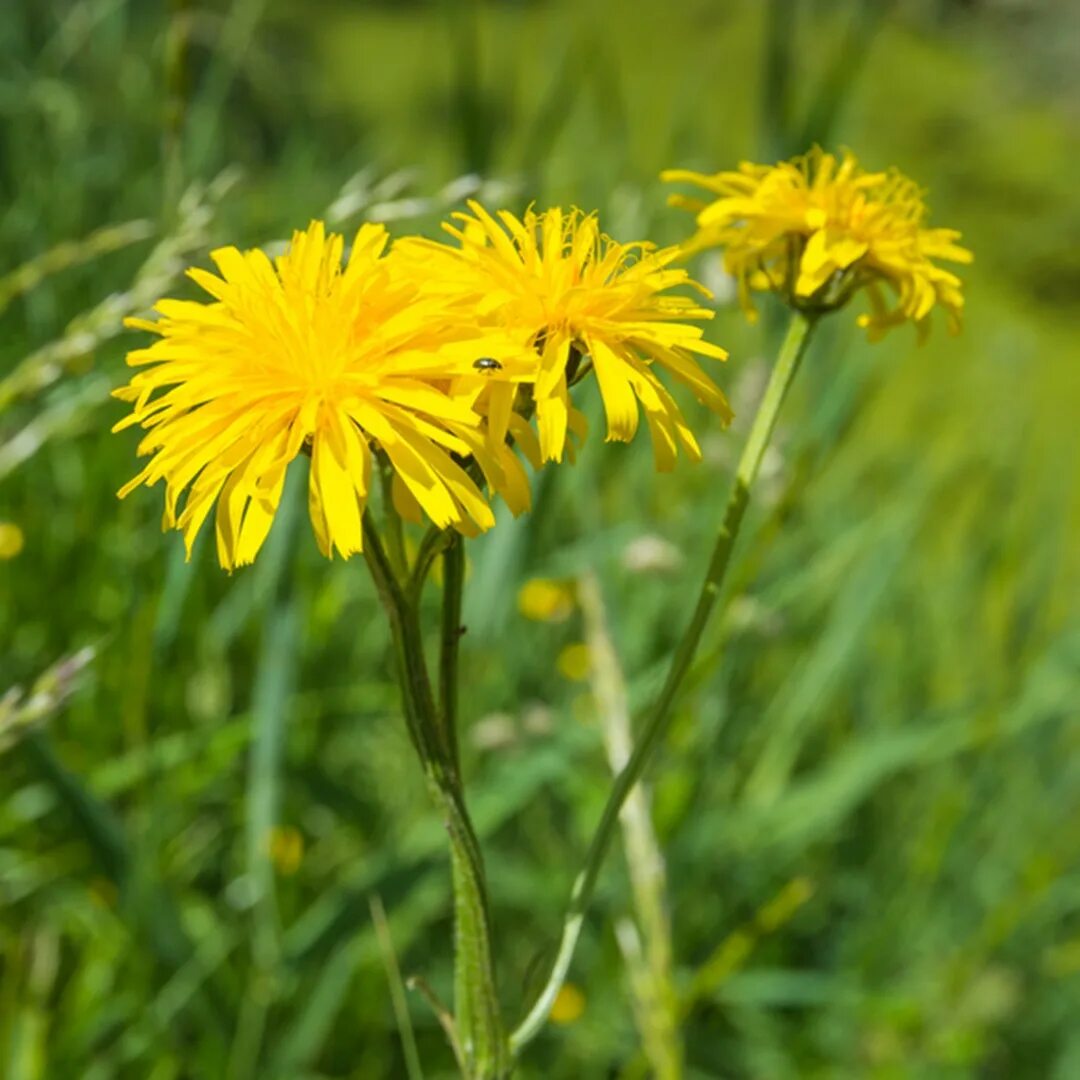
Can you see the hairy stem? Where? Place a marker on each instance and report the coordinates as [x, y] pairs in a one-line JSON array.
[[478, 1021]]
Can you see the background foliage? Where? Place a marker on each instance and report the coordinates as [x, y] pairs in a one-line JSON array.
[[870, 800]]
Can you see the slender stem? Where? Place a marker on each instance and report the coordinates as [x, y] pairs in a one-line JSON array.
[[464, 889], [394, 603], [478, 1022], [453, 587], [787, 363], [395, 532], [435, 540]]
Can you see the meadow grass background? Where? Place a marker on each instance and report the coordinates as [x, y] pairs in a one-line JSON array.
[[870, 799]]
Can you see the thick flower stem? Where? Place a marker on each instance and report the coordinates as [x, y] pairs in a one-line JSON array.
[[478, 1021], [656, 724]]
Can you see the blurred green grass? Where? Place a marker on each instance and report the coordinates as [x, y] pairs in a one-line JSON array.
[[888, 712]]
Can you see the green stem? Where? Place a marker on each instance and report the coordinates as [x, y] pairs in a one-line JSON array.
[[478, 1020], [787, 363], [432, 545], [449, 648], [395, 532]]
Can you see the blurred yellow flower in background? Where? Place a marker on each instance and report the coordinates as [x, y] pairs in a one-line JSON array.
[[574, 662], [817, 229], [285, 846], [299, 354], [582, 301], [11, 540], [568, 1006], [546, 600]]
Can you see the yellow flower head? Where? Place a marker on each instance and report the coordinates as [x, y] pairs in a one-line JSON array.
[[11, 540], [817, 229], [575, 661], [285, 846], [579, 299], [568, 1006], [300, 354], [546, 600]]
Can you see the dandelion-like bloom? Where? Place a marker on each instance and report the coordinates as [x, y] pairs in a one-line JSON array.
[[818, 229], [579, 298], [300, 354]]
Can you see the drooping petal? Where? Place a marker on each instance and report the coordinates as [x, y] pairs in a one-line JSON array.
[[620, 404], [339, 494]]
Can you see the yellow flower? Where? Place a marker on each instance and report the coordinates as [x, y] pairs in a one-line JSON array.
[[546, 600], [297, 355], [568, 1006], [582, 301], [817, 229], [11, 540], [285, 846], [574, 662]]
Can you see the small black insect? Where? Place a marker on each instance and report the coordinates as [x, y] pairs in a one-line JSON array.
[[486, 363]]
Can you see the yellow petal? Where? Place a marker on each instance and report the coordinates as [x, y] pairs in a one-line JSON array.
[[337, 498], [620, 404]]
